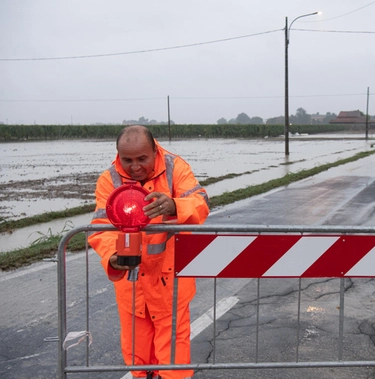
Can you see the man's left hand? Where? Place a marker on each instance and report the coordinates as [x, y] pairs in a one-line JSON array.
[[161, 206]]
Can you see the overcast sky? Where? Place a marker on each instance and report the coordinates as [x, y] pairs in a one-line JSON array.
[[328, 71]]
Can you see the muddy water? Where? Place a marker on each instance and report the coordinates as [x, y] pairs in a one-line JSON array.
[[37, 177]]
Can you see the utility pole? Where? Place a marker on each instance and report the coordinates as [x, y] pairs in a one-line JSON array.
[[287, 39], [286, 121], [169, 120], [367, 116]]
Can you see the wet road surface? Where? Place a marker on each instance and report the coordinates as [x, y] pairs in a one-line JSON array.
[[344, 195]]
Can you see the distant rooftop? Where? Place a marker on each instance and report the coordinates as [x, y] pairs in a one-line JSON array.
[[350, 117]]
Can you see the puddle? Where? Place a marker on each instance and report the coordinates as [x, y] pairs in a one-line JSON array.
[[24, 237]]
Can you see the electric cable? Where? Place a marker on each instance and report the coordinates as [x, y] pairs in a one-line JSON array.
[[139, 51], [342, 15], [336, 31]]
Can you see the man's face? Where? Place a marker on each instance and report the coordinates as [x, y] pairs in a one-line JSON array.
[[136, 156]]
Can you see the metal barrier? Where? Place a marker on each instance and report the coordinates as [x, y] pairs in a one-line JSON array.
[[316, 256]]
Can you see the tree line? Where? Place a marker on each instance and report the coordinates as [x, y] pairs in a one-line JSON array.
[[301, 117]]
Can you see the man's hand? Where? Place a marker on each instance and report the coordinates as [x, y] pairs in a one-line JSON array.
[[162, 206], [113, 263]]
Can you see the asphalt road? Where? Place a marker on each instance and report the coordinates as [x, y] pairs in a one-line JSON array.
[[341, 196]]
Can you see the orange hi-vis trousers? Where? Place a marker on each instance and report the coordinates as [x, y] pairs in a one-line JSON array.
[[153, 342]]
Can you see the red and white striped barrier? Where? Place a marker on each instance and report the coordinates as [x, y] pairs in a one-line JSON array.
[[274, 256]]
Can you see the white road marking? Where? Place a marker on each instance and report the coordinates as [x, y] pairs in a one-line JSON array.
[[207, 318], [23, 358]]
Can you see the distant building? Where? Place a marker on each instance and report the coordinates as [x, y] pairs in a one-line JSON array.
[[318, 118], [354, 118]]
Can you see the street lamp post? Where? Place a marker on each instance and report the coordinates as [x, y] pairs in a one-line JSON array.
[[287, 36]]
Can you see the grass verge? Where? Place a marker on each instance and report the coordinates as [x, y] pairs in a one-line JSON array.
[[46, 247], [244, 193], [36, 252]]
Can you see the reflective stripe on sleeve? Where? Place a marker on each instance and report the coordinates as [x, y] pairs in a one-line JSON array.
[[192, 190], [205, 197], [202, 193]]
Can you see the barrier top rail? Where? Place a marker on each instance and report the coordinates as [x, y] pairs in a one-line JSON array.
[[232, 228]]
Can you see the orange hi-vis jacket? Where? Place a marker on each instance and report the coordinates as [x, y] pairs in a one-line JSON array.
[[154, 287]]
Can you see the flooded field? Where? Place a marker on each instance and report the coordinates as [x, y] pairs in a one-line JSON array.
[[36, 177]]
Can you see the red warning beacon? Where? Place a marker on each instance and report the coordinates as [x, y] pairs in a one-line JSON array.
[[125, 211]]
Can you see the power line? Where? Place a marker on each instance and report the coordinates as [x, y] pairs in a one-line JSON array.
[[261, 97], [336, 31], [76, 100], [342, 15], [139, 51], [175, 47], [190, 45]]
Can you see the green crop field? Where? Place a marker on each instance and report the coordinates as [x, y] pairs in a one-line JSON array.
[[56, 132]]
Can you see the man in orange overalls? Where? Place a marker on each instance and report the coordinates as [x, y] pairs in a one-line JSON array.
[[177, 195]]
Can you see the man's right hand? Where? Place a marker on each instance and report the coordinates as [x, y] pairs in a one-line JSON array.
[[114, 265]]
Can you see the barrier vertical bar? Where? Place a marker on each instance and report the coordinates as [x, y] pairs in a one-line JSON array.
[[87, 301], [341, 318], [257, 323], [174, 320], [61, 303], [298, 318], [131, 275], [214, 315]]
